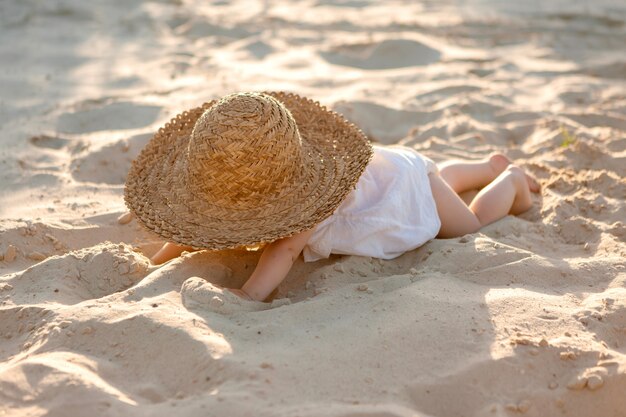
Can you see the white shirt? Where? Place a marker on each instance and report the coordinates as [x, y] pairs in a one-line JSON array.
[[391, 210]]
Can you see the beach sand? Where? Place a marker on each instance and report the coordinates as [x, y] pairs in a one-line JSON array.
[[526, 317]]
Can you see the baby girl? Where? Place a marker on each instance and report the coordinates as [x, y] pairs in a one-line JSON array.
[[281, 170]]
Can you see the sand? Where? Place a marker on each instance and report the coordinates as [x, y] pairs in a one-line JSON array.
[[526, 317]]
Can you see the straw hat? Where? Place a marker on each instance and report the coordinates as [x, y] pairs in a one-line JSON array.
[[247, 169]]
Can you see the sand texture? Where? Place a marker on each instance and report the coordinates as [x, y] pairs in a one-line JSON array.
[[526, 317]]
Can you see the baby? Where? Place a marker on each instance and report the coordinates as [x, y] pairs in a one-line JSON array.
[[280, 169]]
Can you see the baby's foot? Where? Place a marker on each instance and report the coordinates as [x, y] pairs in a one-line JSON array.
[[198, 293], [499, 162]]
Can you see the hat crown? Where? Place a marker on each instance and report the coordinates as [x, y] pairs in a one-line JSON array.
[[244, 150]]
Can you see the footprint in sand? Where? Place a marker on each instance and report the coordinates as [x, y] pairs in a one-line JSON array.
[[77, 276], [18, 320], [606, 320], [17, 325], [591, 120], [430, 97], [197, 29], [615, 70], [258, 49], [345, 3], [112, 116], [49, 142], [388, 54], [383, 124], [105, 164]]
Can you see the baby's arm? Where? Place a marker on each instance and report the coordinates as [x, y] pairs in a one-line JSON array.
[[169, 251], [274, 264]]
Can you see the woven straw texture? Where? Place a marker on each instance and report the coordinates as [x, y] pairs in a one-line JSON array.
[[245, 170]]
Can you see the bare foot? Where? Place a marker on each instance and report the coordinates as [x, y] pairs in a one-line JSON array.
[[499, 162], [523, 201]]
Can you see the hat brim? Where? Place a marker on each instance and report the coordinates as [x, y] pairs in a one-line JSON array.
[[338, 153]]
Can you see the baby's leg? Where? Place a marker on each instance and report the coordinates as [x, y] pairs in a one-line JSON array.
[[508, 193], [469, 175]]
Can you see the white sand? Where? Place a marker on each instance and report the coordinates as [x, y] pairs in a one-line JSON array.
[[527, 317]]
